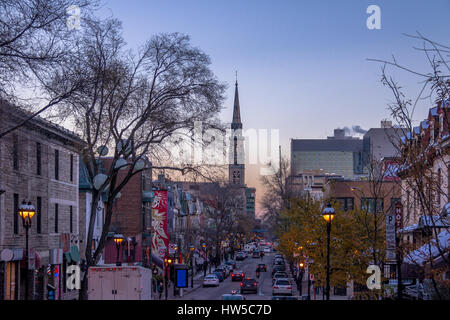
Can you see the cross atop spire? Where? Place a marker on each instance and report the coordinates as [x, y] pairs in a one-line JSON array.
[[236, 124]]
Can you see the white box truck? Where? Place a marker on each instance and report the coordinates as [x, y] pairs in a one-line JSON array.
[[119, 283]]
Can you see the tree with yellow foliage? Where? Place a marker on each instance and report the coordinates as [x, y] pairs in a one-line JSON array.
[[350, 248]]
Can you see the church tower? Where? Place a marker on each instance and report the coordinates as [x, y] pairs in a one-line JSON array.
[[236, 167]]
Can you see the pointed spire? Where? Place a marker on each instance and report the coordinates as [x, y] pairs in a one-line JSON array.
[[236, 109]]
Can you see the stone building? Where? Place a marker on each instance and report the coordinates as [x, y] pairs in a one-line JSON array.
[[38, 163]]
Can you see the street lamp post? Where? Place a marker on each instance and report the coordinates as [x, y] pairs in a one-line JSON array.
[[300, 277], [167, 263], [206, 256], [118, 239], [26, 211], [191, 256], [328, 214]]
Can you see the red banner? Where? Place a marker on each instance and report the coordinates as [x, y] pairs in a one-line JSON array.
[[160, 238]]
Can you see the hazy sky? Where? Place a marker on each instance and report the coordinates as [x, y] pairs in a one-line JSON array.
[[301, 65]]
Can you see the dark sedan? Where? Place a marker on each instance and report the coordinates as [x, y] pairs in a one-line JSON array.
[[237, 275], [240, 257], [278, 268], [262, 267], [249, 284]]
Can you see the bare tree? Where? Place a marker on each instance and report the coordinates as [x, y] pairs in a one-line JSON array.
[[226, 220], [276, 196], [129, 104], [418, 152], [34, 39]]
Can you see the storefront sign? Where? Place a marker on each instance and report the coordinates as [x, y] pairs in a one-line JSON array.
[[398, 215], [160, 239], [390, 237]]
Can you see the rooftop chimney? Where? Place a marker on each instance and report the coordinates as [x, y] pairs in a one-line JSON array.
[[386, 124]]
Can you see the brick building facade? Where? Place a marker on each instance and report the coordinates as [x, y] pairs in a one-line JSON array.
[[38, 163]]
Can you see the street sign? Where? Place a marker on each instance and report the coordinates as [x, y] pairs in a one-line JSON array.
[[390, 237], [398, 215], [311, 277]]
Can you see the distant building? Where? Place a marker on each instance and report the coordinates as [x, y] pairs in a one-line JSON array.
[[250, 200], [381, 143], [131, 217], [338, 155], [236, 166], [309, 183]]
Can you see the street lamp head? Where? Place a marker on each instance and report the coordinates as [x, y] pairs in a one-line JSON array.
[[301, 265], [191, 248], [328, 213], [27, 211], [118, 239]]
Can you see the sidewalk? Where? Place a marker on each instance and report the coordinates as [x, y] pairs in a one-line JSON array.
[[198, 280]]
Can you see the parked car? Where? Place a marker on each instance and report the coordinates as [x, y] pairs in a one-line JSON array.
[[232, 263], [222, 270], [237, 275], [262, 267], [219, 275], [278, 268], [240, 256], [279, 275], [211, 280], [282, 286], [249, 284], [278, 262]]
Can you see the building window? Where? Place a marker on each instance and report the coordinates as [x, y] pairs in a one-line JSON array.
[[38, 159], [71, 218], [56, 164], [346, 203], [15, 155], [16, 213], [56, 217], [372, 205], [38, 214], [71, 168]]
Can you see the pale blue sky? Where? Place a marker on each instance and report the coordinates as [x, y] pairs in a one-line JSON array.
[[301, 64]]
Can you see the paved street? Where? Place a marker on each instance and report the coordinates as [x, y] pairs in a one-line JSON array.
[[249, 267]]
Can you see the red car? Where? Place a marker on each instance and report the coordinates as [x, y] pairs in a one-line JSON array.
[[237, 275]]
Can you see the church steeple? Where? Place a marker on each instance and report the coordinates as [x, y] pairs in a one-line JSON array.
[[236, 167], [236, 123]]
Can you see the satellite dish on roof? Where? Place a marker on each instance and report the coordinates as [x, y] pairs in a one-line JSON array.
[[121, 163], [103, 150], [99, 180], [140, 164]]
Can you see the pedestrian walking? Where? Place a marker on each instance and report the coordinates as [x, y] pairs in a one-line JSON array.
[[160, 289]]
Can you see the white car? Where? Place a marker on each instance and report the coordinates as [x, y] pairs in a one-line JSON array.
[[211, 280], [267, 249], [282, 286]]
